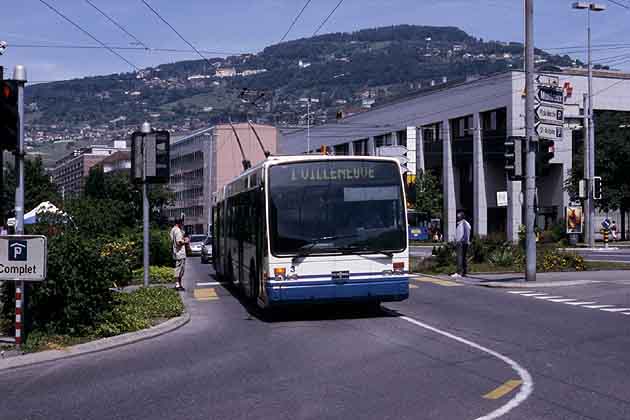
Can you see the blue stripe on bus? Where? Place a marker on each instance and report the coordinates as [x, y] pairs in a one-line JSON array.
[[385, 289], [329, 276]]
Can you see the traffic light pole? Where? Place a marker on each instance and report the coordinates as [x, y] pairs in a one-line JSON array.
[[146, 129], [530, 145], [19, 74]]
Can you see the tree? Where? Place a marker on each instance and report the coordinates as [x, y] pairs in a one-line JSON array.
[[612, 161], [38, 187], [428, 194]]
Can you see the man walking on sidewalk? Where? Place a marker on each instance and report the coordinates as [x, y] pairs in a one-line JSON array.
[[462, 239], [178, 242]]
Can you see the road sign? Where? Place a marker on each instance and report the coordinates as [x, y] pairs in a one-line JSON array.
[[546, 80], [549, 131], [550, 114], [392, 151], [23, 258], [550, 95]]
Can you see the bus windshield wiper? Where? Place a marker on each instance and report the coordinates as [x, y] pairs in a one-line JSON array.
[[305, 249], [351, 248]]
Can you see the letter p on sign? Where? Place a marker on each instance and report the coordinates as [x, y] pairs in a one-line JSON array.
[[17, 250]]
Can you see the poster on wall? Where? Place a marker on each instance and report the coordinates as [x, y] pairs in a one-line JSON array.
[[574, 219]]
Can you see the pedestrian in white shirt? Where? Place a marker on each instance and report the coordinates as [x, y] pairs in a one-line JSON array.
[[179, 242], [462, 240]]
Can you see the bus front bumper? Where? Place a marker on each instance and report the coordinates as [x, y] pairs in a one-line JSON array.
[[386, 289]]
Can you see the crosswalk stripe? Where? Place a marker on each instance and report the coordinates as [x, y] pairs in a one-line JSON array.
[[534, 294], [547, 297], [598, 306], [579, 303], [520, 292], [562, 300], [616, 309]]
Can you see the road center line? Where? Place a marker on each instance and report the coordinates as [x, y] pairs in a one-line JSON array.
[[579, 303], [527, 382], [598, 306], [547, 297], [616, 309], [562, 300], [504, 389], [534, 294], [520, 292]]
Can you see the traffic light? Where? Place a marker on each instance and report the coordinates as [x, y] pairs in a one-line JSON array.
[[546, 152], [514, 158], [9, 117], [597, 187]]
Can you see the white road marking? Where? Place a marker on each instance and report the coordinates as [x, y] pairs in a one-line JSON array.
[[579, 303], [598, 306], [616, 310], [535, 294], [547, 297], [562, 300], [626, 313], [209, 283], [520, 292], [526, 388]]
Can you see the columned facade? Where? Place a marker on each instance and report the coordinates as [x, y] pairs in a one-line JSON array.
[[448, 182], [480, 200]]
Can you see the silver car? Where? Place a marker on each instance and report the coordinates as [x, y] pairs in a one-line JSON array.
[[196, 243], [206, 251]]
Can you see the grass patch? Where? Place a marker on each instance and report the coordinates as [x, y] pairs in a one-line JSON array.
[[157, 275], [133, 311]]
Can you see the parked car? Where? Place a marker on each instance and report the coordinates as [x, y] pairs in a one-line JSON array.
[[196, 243], [206, 251]]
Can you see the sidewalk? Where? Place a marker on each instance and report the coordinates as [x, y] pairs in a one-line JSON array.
[[516, 280]]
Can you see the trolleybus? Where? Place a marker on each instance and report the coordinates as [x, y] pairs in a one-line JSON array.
[[314, 228]]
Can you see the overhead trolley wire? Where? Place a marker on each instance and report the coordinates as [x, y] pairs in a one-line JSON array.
[[321, 25], [122, 48], [295, 20], [176, 32], [119, 26], [76, 25]]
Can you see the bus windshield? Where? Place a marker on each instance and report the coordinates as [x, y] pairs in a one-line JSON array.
[[336, 206]]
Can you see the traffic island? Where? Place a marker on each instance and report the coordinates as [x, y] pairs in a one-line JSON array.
[[138, 315]]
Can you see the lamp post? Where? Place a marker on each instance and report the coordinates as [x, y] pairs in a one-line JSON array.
[[589, 139]]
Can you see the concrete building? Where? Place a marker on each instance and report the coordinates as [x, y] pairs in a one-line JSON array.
[[117, 162], [71, 171], [458, 132], [206, 160]]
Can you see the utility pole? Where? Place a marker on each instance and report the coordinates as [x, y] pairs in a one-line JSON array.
[[530, 145], [19, 74], [588, 233], [146, 130]]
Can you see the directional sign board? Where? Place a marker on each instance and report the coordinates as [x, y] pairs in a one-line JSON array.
[[549, 131], [550, 114], [392, 151], [550, 95], [546, 80], [23, 258]]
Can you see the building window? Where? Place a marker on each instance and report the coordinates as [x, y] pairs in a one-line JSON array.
[[342, 149]]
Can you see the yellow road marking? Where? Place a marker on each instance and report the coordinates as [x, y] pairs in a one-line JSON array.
[[413, 286], [205, 294], [439, 282], [504, 389]]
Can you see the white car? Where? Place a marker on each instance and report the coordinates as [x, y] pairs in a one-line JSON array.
[[195, 244]]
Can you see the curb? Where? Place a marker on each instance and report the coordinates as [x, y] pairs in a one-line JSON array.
[[95, 346]]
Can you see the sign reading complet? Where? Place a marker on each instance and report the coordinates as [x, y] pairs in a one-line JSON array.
[[23, 258]]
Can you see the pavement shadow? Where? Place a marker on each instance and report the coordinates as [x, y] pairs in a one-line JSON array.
[[309, 311]]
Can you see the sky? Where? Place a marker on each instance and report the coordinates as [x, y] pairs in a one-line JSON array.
[[250, 25]]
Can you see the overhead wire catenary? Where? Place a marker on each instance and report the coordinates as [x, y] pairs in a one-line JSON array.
[[119, 26], [321, 25], [295, 20], [76, 25]]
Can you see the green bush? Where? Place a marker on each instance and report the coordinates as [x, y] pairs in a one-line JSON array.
[[161, 275], [139, 309], [445, 255], [77, 289]]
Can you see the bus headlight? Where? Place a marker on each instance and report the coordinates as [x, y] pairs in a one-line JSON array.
[[280, 273]]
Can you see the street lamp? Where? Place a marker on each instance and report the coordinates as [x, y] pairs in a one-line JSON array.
[[589, 149]]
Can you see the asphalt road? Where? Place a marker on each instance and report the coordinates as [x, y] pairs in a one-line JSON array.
[[434, 356]]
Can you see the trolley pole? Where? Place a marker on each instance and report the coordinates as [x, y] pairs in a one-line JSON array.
[[531, 144], [145, 129], [19, 74]]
